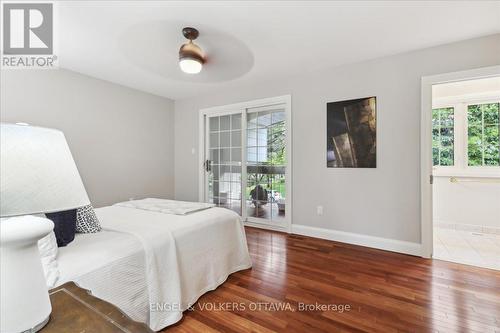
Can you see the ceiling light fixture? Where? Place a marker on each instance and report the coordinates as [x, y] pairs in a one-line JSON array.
[[190, 55]]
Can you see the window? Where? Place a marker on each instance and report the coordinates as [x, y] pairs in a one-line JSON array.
[[483, 139], [443, 128]]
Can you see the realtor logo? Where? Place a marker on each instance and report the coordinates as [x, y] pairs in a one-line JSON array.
[[28, 29]]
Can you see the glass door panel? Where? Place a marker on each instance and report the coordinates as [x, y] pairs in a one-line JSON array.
[[223, 165], [266, 164]]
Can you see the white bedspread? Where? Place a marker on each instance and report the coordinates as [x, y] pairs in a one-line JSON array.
[[111, 265], [180, 257], [166, 206]]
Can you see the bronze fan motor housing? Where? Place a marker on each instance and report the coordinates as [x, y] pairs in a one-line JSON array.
[[190, 50]]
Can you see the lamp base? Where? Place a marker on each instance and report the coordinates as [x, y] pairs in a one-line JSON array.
[[24, 298]]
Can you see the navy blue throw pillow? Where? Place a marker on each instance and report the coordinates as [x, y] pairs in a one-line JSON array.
[[64, 226]]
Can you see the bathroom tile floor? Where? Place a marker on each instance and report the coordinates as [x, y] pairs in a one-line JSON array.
[[467, 247]]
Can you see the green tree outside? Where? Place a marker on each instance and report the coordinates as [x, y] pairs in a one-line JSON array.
[[483, 134], [443, 136]]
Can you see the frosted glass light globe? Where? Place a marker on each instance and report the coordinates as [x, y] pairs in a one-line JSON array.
[[190, 66]]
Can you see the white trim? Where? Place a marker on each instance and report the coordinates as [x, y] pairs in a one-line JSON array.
[[244, 179], [242, 107], [271, 107], [426, 144], [466, 227], [281, 225], [223, 109], [470, 172], [491, 96], [289, 165], [267, 226], [359, 239], [201, 157]]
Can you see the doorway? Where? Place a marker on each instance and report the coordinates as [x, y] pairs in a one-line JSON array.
[[462, 145], [246, 156]]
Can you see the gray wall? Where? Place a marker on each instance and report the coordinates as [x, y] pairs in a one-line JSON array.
[[122, 140], [383, 202]]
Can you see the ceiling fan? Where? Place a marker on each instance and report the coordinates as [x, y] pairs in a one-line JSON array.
[[191, 58]]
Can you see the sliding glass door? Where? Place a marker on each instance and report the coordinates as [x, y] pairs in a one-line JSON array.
[[246, 165]]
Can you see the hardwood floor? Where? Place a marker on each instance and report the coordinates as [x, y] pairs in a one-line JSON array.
[[387, 292]]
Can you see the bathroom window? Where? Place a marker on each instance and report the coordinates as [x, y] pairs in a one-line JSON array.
[[443, 129], [483, 141]]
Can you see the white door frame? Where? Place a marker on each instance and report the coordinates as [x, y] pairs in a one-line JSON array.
[[241, 107], [426, 222]]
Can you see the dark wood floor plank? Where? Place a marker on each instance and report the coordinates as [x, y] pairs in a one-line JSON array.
[[387, 292]]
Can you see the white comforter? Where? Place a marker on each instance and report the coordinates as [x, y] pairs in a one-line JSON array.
[[183, 257]]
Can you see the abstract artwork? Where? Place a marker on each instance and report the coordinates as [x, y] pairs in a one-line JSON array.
[[351, 133]]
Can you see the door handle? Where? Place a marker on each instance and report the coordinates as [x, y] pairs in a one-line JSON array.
[[208, 165]]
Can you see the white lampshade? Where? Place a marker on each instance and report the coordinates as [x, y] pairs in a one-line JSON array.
[[37, 173]]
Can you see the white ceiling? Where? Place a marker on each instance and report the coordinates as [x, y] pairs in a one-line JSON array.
[[136, 43]]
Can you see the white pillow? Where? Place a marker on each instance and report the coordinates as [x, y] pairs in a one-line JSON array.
[[47, 246], [86, 220]]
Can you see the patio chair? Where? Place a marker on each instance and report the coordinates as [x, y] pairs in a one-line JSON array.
[[259, 196]]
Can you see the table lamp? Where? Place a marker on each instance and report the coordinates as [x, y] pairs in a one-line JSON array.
[[37, 175]]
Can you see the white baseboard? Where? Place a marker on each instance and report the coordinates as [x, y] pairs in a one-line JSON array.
[[279, 228], [359, 239], [467, 227]]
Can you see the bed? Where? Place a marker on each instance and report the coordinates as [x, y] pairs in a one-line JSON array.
[[154, 265]]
